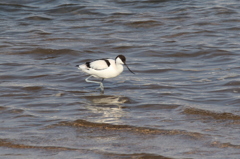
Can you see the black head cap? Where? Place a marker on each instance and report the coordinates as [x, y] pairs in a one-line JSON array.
[[123, 58]]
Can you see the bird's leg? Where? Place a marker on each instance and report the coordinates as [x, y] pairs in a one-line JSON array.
[[101, 84]]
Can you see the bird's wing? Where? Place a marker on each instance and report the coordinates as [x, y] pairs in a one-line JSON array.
[[99, 64]]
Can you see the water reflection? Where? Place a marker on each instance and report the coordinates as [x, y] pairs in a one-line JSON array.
[[106, 100], [109, 108]]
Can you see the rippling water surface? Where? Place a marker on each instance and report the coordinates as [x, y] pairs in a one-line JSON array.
[[183, 102]]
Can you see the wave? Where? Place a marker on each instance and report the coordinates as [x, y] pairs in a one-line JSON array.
[[143, 23], [128, 128], [43, 51], [38, 18], [11, 144], [215, 115]]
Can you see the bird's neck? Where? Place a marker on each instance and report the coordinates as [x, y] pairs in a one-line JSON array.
[[119, 67]]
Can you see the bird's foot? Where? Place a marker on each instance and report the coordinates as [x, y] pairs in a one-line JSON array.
[[101, 88]]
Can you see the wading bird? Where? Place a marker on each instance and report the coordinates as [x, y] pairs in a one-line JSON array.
[[104, 68]]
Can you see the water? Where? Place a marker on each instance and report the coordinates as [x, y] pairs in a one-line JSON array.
[[183, 101]]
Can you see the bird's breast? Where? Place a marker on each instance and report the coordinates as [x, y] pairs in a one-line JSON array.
[[112, 71]]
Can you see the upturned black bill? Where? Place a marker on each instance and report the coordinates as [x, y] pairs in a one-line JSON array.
[[129, 69]]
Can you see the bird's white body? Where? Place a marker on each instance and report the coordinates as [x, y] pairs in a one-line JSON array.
[[100, 69], [104, 68]]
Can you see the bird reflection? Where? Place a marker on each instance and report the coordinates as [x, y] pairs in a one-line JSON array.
[[108, 107], [107, 100]]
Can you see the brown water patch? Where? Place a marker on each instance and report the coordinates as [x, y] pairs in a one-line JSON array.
[[143, 23], [176, 35], [9, 144], [2, 108], [215, 115], [232, 83], [134, 129], [224, 145], [137, 156], [38, 18], [33, 88]]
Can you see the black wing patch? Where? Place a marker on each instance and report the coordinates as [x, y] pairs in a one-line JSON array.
[[88, 64], [108, 63], [98, 64]]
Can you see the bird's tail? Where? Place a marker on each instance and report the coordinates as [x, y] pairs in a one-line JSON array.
[[82, 67]]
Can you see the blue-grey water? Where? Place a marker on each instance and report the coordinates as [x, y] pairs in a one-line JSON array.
[[183, 101]]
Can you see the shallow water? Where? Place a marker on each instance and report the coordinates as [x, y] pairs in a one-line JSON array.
[[183, 101]]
